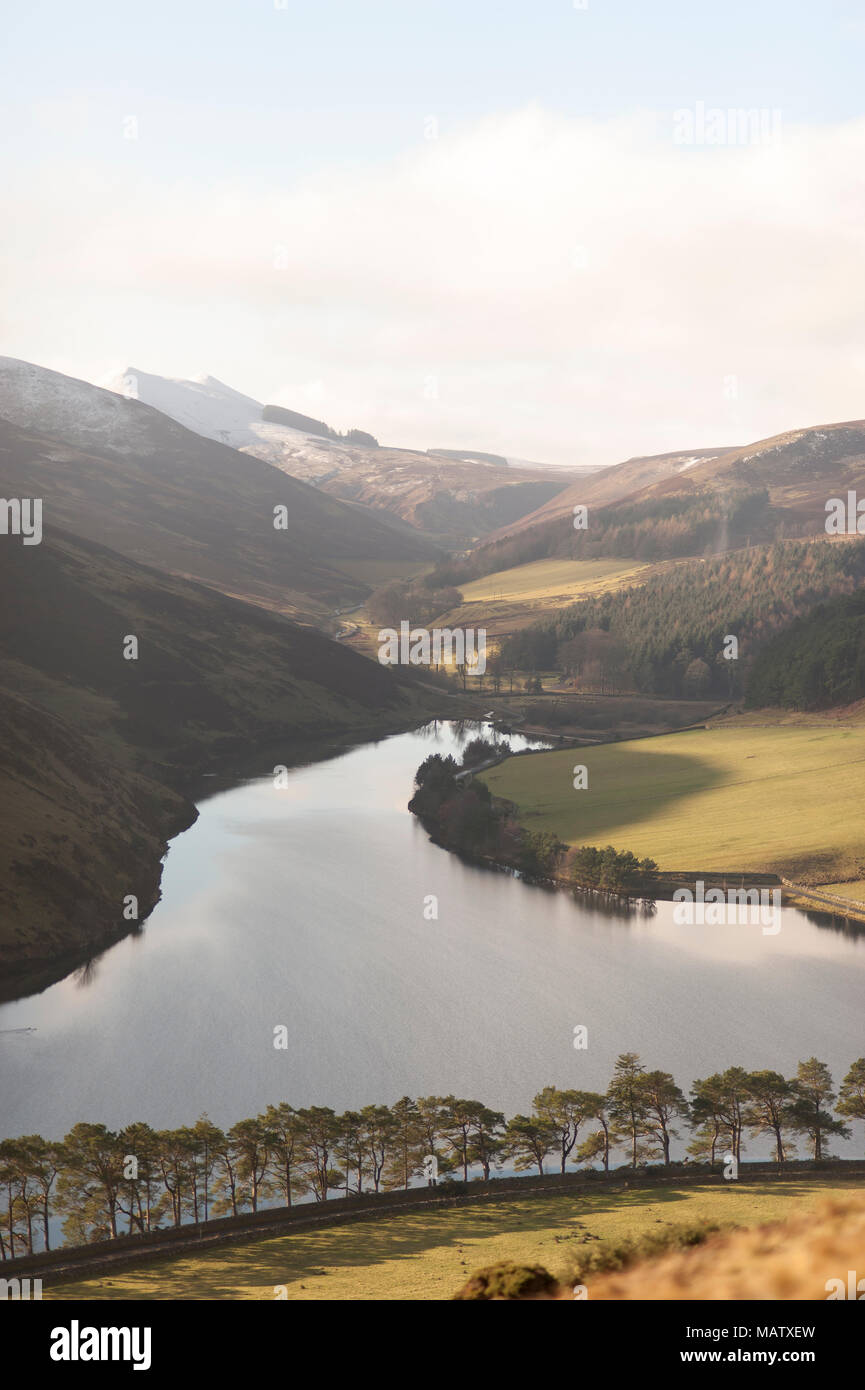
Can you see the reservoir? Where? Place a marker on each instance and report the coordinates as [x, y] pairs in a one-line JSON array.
[[303, 907]]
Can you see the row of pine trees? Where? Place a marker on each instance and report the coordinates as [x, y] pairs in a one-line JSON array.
[[106, 1184]]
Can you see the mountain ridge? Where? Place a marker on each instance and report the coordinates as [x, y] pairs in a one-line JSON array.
[[100, 755], [451, 501], [113, 469]]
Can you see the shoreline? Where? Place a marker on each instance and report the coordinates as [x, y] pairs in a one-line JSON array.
[[31, 971], [804, 896], [662, 887]]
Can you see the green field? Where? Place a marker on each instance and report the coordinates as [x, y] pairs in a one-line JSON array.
[[429, 1255], [511, 599], [785, 798], [550, 579], [502, 603], [853, 889]]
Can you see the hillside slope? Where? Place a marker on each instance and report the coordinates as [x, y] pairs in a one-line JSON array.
[[805, 1258], [610, 484], [800, 469], [712, 501], [98, 754], [452, 497], [119, 472]]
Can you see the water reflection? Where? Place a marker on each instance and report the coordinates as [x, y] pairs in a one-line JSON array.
[[304, 906], [829, 921]]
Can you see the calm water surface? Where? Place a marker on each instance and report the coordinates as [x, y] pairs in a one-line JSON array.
[[304, 907]]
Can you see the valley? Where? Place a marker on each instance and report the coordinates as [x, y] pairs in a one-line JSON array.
[[432, 674], [451, 497], [170, 646]]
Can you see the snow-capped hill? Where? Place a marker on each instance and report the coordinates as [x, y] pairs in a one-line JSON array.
[[210, 408], [35, 398], [451, 499], [204, 405]]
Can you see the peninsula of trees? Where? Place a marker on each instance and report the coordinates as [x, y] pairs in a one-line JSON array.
[[461, 814]]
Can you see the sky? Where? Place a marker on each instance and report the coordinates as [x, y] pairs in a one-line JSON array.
[[535, 228]]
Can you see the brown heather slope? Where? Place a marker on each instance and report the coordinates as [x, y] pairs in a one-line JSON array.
[[98, 754], [453, 501], [453, 496], [120, 473], [800, 469], [612, 484], [793, 1259], [79, 830]]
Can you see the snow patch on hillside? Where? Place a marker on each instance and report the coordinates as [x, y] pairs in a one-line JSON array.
[[211, 408], [689, 463], [35, 398]]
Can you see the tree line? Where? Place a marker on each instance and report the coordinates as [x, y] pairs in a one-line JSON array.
[[653, 528], [416, 601], [107, 1183], [668, 636], [462, 815], [816, 662]]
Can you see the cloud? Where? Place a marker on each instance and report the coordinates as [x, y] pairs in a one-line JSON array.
[[551, 288]]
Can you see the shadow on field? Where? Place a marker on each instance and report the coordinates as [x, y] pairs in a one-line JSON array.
[[628, 785], [257, 1268]]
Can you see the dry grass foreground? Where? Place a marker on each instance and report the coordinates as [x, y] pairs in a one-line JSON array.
[[427, 1253], [797, 1259]]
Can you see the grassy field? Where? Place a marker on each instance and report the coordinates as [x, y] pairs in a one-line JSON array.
[[511, 599], [782, 798], [852, 888], [565, 580], [428, 1255]]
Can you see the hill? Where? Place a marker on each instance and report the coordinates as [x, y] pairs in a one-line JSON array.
[[117, 471], [699, 504], [799, 469], [451, 498], [805, 1257], [608, 485], [99, 755]]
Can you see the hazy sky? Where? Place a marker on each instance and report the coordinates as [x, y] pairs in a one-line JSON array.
[[476, 223]]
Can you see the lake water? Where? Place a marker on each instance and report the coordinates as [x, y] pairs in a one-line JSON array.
[[304, 907]]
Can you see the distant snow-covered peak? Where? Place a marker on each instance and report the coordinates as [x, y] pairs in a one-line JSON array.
[[204, 405], [217, 411]]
